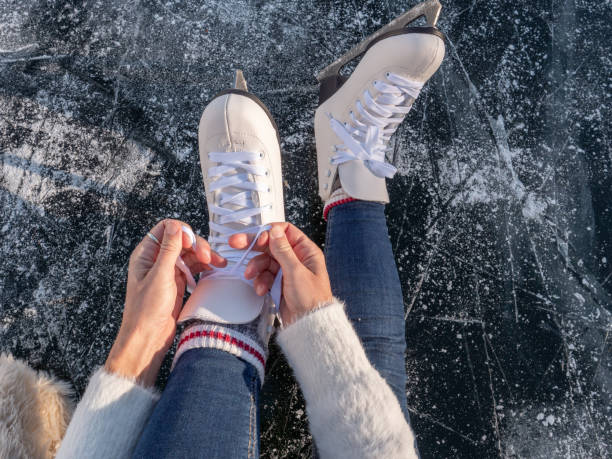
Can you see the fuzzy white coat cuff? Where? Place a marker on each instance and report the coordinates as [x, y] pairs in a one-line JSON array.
[[352, 411], [109, 418]]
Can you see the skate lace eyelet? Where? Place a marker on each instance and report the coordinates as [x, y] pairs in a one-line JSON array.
[[267, 172], [238, 201]]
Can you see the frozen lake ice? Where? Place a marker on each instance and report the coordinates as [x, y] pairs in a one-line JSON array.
[[501, 213]]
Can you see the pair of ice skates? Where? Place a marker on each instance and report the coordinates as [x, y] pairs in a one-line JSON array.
[[357, 115]]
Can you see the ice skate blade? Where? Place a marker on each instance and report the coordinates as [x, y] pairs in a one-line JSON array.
[[240, 82], [430, 9]]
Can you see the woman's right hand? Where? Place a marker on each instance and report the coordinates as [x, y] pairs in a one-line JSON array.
[[305, 280]]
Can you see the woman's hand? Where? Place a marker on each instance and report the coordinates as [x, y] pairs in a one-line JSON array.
[[154, 299], [305, 279]]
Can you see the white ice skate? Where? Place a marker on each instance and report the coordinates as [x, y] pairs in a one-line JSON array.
[[241, 166], [358, 115]]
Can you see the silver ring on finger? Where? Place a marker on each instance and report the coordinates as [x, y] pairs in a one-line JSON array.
[[152, 236]]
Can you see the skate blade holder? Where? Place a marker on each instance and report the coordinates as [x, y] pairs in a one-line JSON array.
[[330, 77], [240, 81]]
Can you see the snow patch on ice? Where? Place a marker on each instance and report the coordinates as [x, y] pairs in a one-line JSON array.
[[534, 207]]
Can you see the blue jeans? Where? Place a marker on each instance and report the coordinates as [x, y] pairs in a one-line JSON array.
[[209, 407], [363, 274]]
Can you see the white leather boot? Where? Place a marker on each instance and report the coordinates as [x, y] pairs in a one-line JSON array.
[[357, 116], [241, 167]]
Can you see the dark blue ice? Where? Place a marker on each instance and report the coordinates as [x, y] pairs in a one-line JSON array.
[[501, 213]]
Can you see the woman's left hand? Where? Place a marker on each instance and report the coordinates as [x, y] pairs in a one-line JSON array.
[[154, 299]]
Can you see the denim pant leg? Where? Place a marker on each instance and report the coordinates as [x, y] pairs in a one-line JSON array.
[[364, 275], [208, 409]]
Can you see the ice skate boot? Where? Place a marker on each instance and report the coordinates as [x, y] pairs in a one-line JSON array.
[[358, 115], [241, 166]]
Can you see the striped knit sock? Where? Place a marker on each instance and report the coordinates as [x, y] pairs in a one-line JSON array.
[[247, 341], [337, 198]]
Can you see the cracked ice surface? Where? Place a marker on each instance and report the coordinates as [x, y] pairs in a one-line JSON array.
[[501, 214]]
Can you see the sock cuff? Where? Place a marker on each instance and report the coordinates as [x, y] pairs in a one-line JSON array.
[[337, 198], [225, 339]]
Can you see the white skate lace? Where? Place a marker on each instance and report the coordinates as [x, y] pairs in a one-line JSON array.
[[365, 138], [234, 204]]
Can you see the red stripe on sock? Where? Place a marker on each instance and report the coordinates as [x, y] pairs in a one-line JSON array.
[[334, 204], [225, 338]]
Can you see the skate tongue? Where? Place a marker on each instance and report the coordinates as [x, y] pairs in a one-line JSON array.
[[226, 301]]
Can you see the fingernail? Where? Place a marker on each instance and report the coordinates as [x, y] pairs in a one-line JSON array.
[[276, 232], [172, 228], [189, 233]]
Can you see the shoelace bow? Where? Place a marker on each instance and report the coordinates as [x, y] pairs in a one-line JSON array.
[[234, 204], [366, 138]]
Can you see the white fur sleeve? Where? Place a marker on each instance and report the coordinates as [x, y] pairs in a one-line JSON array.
[[351, 409], [109, 418]]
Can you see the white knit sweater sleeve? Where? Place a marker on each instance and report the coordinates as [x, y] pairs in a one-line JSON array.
[[352, 411], [109, 418]]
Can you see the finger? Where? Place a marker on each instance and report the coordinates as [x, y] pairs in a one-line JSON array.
[[263, 283], [195, 265], [281, 249], [259, 264], [204, 254], [146, 252], [157, 231], [171, 245], [293, 233], [242, 241], [201, 247], [217, 260], [202, 250], [309, 253], [189, 237]]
